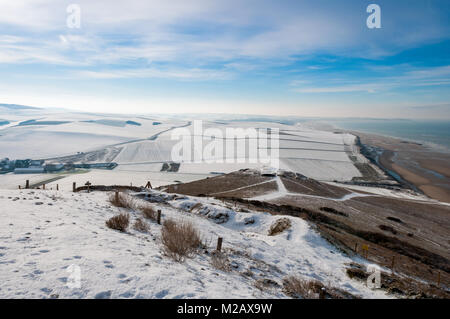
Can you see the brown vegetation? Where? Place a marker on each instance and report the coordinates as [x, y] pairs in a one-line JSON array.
[[180, 239], [313, 289], [279, 226], [122, 200], [119, 222], [141, 225], [220, 261], [148, 212]]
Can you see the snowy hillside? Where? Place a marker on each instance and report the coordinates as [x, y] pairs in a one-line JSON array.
[[43, 233]]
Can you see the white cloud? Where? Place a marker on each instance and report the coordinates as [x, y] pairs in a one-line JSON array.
[[180, 74]]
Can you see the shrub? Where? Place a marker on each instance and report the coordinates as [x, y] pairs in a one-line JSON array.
[[148, 212], [311, 289], [301, 288], [141, 225], [265, 284], [119, 222], [180, 239], [122, 200], [279, 226], [220, 261]]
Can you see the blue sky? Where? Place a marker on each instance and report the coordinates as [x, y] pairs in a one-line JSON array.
[[303, 58]]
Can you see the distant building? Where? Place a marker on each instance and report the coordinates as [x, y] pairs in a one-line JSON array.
[[29, 170], [53, 167], [37, 162], [111, 165]]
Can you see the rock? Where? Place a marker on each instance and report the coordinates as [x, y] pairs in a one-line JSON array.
[[279, 226], [249, 220]]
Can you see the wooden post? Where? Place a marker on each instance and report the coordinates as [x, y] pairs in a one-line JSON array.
[[27, 184], [74, 186], [219, 244], [158, 217], [322, 293], [43, 186], [57, 187], [365, 249], [356, 247], [20, 187], [117, 197]]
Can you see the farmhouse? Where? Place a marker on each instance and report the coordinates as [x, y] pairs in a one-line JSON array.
[[29, 170]]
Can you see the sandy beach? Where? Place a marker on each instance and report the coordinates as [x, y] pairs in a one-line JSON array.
[[420, 165]]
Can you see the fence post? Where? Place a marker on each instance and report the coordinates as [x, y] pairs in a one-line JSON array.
[[74, 186], [393, 263], [57, 187], [158, 217], [20, 187], [219, 244], [322, 293], [43, 186], [117, 197], [27, 184]]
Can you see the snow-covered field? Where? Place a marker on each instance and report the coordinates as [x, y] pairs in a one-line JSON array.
[[134, 141], [46, 234]]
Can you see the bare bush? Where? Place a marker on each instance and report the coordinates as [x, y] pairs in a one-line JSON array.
[[266, 284], [122, 200], [311, 289], [279, 226], [141, 225], [119, 222], [180, 239], [301, 288], [220, 261], [148, 212]]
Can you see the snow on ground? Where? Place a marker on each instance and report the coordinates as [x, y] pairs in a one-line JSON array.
[[22, 143], [317, 154], [403, 194], [43, 233], [67, 133], [135, 178], [12, 181], [322, 170]]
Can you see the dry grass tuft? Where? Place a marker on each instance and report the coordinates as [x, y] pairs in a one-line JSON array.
[[119, 222], [301, 288], [141, 225], [122, 200], [310, 289], [279, 226], [148, 212], [220, 261], [180, 239]]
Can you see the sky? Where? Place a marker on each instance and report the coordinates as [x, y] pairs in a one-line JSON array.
[[310, 58]]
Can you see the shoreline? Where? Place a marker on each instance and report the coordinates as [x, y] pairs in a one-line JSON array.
[[418, 166]]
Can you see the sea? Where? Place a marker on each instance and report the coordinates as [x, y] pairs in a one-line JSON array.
[[431, 132]]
